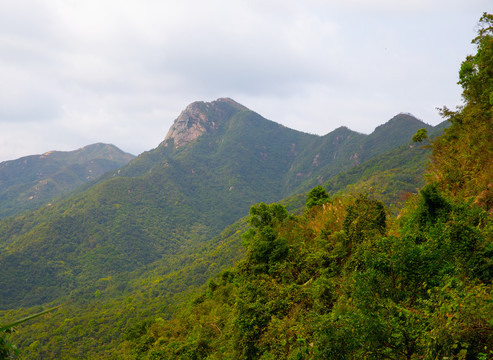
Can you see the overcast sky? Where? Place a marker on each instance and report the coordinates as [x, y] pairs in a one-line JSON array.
[[76, 72]]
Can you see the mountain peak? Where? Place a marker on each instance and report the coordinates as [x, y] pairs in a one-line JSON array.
[[400, 122], [198, 118], [230, 101], [404, 118]]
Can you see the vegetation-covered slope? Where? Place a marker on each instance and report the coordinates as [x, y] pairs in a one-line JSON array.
[[390, 177], [343, 149], [32, 181], [341, 282], [218, 159], [152, 291], [463, 157], [345, 281]]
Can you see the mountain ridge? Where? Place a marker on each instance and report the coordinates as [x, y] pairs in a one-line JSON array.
[[171, 197], [139, 231], [30, 181]]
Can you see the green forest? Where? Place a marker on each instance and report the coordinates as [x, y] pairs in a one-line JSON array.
[[379, 261]]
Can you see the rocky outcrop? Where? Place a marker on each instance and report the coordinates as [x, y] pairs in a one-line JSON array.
[[198, 118]]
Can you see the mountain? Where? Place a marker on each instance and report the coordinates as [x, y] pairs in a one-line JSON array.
[[31, 181], [343, 149], [124, 308], [153, 292], [137, 232], [343, 279], [218, 159], [391, 176]]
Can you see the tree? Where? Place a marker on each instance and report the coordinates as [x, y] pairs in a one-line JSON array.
[[366, 217], [420, 135], [475, 75], [462, 161], [317, 196], [262, 215], [263, 243], [431, 205]]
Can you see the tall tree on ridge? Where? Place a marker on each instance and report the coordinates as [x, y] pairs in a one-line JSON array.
[[463, 156]]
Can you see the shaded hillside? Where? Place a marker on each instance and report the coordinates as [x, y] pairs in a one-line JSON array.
[[344, 280], [341, 281], [155, 290], [31, 181], [144, 235], [343, 149], [389, 177], [217, 160]]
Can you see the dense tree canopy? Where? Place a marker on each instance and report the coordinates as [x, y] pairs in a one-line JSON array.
[[339, 282], [346, 280], [317, 196], [463, 157]]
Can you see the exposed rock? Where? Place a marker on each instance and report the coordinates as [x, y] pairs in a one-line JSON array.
[[187, 127], [315, 159], [356, 158], [198, 118]]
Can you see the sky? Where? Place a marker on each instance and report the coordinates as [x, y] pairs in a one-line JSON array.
[[77, 72]]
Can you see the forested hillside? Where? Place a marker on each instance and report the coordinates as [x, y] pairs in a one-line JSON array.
[[218, 159], [155, 290], [346, 281], [149, 289], [343, 281], [390, 177], [339, 278], [31, 181]]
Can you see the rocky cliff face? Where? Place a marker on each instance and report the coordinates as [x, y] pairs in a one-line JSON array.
[[198, 118]]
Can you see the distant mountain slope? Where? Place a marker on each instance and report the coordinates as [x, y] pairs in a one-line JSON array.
[[391, 175], [344, 149], [153, 290], [217, 160], [31, 181]]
